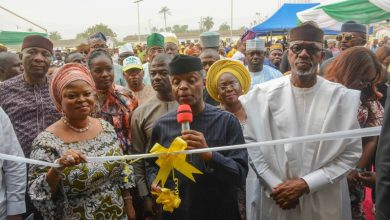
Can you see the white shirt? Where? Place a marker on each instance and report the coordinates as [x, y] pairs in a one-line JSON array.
[[146, 80], [238, 56], [278, 110], [13, 177]]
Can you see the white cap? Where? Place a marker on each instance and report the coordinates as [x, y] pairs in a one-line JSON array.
[[255, 44], [126, 48], [131, 62]]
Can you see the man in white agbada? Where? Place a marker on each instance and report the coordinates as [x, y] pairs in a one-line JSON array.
[[301, 181], [254, 56]]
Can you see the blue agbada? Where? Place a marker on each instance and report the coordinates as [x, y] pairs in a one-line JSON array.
[[214, 194]]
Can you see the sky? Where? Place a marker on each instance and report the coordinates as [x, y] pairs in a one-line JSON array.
[[71, 17]]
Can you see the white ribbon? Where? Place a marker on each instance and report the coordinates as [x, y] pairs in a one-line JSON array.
[[356, 133]]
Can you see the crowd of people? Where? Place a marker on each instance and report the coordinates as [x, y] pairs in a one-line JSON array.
[[65, 106]]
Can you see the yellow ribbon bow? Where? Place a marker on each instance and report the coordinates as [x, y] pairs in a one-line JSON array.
[[168, 199], [169, 161]]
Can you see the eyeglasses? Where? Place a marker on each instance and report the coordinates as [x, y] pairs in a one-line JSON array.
[[346, 36], [156, 50], [233, 85], [310, 48]]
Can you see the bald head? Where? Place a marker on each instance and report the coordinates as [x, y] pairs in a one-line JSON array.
[[208, 57], [162, 58], [10, 65]]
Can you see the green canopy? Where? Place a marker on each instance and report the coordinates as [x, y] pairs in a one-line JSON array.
[[331, 16], [14, 38]]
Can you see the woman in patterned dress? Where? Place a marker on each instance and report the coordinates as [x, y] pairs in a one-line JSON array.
[[78, 189], [358, 68], [115, 103]]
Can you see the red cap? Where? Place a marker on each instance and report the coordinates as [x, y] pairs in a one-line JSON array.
[[184, 113]]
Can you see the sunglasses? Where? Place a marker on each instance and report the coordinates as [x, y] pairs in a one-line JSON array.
[[346, 36], [310, 48]]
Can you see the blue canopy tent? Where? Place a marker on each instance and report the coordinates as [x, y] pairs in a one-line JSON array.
[[283, 20]]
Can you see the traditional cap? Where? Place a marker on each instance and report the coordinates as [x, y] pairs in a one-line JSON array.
[[352, 26], [184, 64], [209, 39], [255, 44], [155, 39], [131, 62], [96, 37], [65, 75], [171, 39], [37, 41], [126, 48], [226, 66], [307, 31], [276, 46]]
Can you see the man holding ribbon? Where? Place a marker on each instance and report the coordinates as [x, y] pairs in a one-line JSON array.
[[213, 195], [302, 180]]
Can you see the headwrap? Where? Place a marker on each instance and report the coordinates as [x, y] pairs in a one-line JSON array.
[[184, 64], [276, 46], [255, 44], [37, 41], [99, 36], [131, 62], [209, 39], [65, 75], [351, 26], [126, 48], [248, 35], [227, 66], [155, 39], [307, 31]]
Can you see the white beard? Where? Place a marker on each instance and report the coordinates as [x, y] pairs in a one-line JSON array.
[[308, 72]]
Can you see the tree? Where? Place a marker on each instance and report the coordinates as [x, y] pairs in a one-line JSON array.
[[96, 28], [55, 35], [208, 23], [179, 28], [224, 27], [165, 11], [154, 29]]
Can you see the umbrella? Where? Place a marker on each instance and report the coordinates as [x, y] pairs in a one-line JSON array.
[[332, 16]]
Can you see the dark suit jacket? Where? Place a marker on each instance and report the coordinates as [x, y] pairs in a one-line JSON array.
[[382, 165]]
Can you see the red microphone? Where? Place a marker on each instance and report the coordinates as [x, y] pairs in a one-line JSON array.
[[184, 116]]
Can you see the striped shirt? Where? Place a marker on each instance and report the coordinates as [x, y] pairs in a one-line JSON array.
[[29, 108]]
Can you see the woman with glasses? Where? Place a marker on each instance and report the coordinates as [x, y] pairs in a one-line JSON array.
[[226, 81], [358, 68]]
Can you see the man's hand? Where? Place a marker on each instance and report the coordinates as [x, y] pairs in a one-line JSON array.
[[368, 178], [195, 140], [353, 179], [155, 188], [287, 194]]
